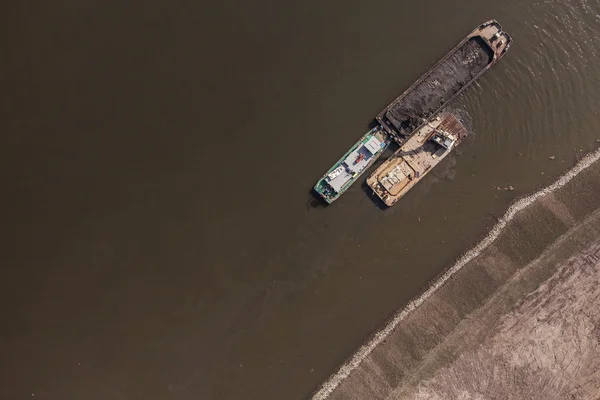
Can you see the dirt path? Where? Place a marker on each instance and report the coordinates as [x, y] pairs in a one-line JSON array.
[[548, 348]]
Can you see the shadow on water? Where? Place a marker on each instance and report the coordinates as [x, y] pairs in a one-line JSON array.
[[373, 197], [372, 124], [315, 200]]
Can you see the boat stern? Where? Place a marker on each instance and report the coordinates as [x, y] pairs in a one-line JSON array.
[[494, 36]]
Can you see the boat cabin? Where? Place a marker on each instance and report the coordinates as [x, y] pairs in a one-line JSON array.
[[444, 139], [353, 164]]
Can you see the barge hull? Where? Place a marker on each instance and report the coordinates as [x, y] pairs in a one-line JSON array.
[[425, 98]]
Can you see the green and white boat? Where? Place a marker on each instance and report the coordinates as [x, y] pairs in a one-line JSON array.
[[352, 165]]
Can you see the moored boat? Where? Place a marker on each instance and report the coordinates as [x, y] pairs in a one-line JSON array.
[[417, 108], [352, 165], [449, 77], [413, 160]]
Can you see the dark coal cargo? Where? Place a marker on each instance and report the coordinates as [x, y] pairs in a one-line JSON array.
[[446, 79]]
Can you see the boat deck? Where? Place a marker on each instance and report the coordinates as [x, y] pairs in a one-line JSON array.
[[409, 120], [415, 158], [495, 37], [352, 165], [417, 147], [420, 153]]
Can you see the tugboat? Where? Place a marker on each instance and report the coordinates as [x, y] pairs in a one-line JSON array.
[[352, 165]]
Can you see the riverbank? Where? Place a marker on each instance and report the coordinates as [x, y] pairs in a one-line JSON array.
[[514, 307]]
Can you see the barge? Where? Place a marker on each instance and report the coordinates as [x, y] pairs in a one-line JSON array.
[[418, 106], [352, 165], [429, 145], [449, 77]]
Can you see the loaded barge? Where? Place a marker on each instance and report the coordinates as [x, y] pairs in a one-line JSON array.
[[449, 77], [430, 144], [419, 104]]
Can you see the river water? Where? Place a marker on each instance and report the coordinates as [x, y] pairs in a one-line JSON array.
[[160, 239]]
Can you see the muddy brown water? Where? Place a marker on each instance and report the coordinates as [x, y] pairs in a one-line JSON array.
[[160, 240]]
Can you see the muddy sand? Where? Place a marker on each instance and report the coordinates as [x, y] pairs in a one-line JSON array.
[[516, 318]]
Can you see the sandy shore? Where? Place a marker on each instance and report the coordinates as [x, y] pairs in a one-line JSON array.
[[515, 318]]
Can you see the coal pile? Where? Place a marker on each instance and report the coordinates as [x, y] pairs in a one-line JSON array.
[[440, 86]]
